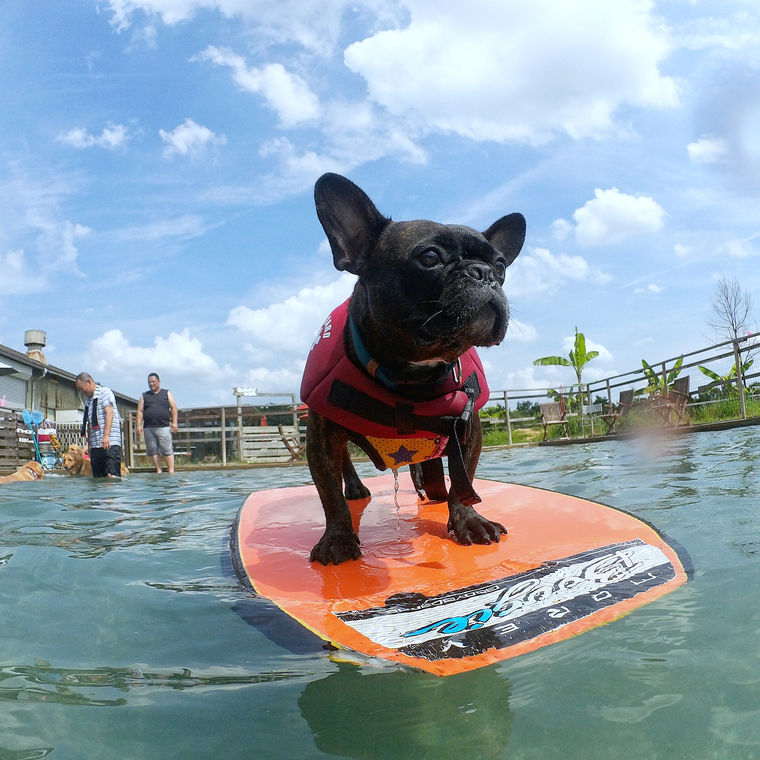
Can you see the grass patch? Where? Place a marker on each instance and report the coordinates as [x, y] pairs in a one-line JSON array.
[[500, 436]]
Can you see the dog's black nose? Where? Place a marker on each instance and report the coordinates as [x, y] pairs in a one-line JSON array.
[[480, 272]]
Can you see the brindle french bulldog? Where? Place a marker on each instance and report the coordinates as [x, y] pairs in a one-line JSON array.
[[427, 293]]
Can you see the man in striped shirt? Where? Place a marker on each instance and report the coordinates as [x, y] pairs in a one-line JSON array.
[[102, 427]]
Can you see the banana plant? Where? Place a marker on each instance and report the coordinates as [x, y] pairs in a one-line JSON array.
[[727, 381], [655, 382], [577, 358]]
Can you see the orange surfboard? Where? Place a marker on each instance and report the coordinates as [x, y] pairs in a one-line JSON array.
[[418, 598]]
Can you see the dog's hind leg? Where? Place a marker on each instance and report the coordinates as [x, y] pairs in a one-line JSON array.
[[353, 486], [428, 479]]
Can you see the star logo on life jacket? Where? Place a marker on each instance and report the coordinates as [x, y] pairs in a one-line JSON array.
[[402, 456]]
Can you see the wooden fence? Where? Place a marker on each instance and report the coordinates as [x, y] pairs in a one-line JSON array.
[[226, 436], [16, 445]]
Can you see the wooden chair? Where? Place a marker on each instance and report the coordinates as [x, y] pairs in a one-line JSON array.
[[679, 398], [552, 414], [614, 416], [671, 407], [292, 443]]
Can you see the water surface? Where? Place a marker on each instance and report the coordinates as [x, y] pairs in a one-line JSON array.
[[124, 634]]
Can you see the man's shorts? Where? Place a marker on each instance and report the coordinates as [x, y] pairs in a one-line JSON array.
[[158, 440], [106, 462]]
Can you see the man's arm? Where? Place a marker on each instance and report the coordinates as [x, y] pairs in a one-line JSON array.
[[173, 407], [140, 415], [108, 411]]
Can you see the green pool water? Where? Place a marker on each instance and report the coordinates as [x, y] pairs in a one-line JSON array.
[[125, 635]]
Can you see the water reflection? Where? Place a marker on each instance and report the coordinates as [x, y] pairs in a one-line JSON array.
[[401, 714], [25, 754], [109, 687]]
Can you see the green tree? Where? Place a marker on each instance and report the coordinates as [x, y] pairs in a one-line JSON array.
[[578, 357], [527, 409]]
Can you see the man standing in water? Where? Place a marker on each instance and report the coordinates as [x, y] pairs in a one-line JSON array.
[[101, 426], [157, 420]]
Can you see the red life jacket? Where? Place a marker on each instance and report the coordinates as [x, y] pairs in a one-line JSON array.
[[393, 429]]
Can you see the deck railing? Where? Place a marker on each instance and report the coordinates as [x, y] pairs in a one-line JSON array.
[[724, 377]]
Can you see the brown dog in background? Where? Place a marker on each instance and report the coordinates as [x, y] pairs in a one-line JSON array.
[[76, 463], [30, 471]]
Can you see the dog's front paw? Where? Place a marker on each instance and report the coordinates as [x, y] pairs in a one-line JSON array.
[[335, 547], [469, 527]]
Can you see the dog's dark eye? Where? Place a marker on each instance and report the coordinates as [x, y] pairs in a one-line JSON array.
[[500, 269], [429, 258]]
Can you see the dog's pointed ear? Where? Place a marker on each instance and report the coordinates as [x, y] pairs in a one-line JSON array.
[[350, 220], [507, 235]]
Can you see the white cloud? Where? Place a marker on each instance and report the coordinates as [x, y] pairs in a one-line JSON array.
[[185, 227], [651, 288], [520, 332], [708, 150], [682, 251], [737, 32], [34, 229], [68, 233], [179, 359], [280, 335], [189, 139], [612, 216], [738, 249], [491, 70], [538, 270], [18, 276], [113, 137], [290, 326], [315, 26], [561, 228], [286, 93]]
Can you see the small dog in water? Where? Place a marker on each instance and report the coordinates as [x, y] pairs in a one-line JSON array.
[[394, 369], [76, 462], [32, 470]]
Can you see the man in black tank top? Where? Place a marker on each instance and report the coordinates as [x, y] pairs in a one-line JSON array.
[[157, 420]]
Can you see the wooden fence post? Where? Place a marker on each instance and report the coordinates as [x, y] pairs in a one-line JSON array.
[[739, 379], [509, 421]]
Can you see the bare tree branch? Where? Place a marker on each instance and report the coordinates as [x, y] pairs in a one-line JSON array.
[[732, 309]]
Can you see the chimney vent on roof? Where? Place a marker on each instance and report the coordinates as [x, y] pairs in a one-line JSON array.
[[35, 341]]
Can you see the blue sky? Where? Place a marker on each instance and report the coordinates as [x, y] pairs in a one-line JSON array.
[[157, 159]]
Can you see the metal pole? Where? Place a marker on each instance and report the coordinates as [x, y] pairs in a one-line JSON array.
[[240, 429], [739, 379], [509, 422], [224, 437]]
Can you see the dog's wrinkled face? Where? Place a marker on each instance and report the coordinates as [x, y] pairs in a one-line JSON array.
[[426, 291], [440, 285]]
